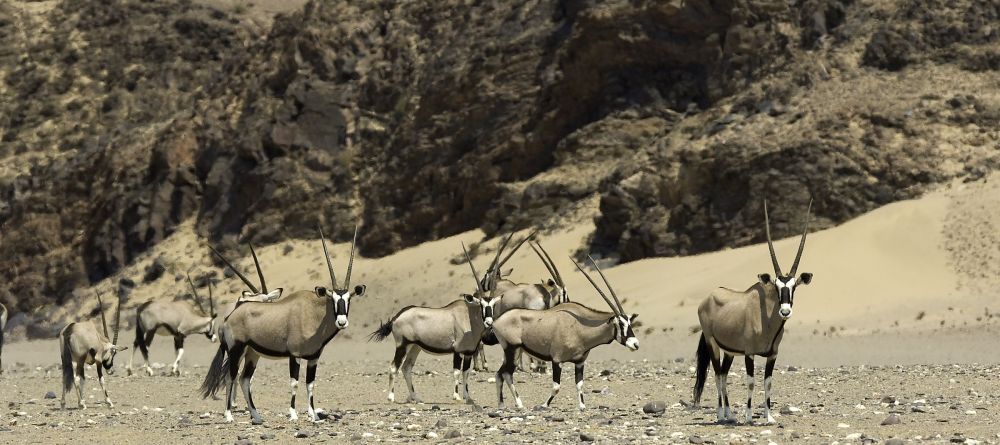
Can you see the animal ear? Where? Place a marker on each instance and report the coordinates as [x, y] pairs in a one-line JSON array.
[[275, 293], [550, 282], [633, 317], [805, 278], [507, 274], [121, 348], [320, 291], [764, 278], [469, 298], [247, 294], [359, 290]]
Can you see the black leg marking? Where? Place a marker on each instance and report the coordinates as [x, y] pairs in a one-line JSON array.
[[556, 378], [293, 374], [579, 382], [235, 355], [768, 369], [310, 378], [178, 342], [749, 364]]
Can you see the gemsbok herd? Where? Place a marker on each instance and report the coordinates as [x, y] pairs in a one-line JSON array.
[[537, 319]]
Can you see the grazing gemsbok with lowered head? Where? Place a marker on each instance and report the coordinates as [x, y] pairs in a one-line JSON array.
[[81, 344], [455, 329], [178, 319], [747, 323], [564, 333], [297, 326]]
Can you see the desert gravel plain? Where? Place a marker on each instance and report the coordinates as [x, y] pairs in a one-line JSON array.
[[827, 403]]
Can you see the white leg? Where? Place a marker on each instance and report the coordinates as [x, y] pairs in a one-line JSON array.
[[721, 414], [107, 398], [749, 413], [128, 369], [177, 362], [292, 415], [579, 385], [310, 386], [411, 358], [457, 374], [725, 396], [392, 381], [78, 381]]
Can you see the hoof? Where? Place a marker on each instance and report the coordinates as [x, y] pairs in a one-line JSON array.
[[391, 397], [229, 417], [457, 397]]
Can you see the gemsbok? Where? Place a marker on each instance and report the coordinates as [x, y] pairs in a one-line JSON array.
[[178, 319], [297, 326], [81, 344], [455, 329], [3, 325], [565, 333], [747, 323]]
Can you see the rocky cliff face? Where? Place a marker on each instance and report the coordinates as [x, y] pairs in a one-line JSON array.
[[121, 118]]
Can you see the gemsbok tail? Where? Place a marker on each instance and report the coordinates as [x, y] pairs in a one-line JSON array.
[[217, 375], [67, 360], [385, 329], [382, 332], [701, 369]]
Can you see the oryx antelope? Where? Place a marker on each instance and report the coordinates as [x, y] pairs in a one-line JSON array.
[[534, 296], [81, 344], [564, 333], [178, 319], [3, 325], [297, 326], [455, 329], [747, 323]]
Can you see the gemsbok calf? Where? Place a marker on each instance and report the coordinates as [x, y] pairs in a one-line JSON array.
[[178, 319], [565, 333], [81, 344], [455, 329], [297, 326], [747, 323]]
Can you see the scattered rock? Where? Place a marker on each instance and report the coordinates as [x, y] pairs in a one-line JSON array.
[[50, 395], [788, 410], [300, 434], [584, 437], [441, 423], [431, 435], [453, 434], [655, 407], [243, 442], [893, 419], [267, 436], [895, 441], [696, 440]]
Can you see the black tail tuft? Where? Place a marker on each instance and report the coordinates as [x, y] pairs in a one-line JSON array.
[[701, 369], [382, 332], [217, 375], [67, 360]]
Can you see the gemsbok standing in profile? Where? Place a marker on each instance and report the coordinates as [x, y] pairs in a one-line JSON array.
[[3, 325], [536, 296], [455, 329], [297, 326], [565, 333], [747, 323], [178, 319], [81, 344]]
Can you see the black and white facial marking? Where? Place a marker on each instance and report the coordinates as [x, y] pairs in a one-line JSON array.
[[108, 359], [485, 304], [786, 291], [341, 299], [624, 333], [561, 295], [210, 332]]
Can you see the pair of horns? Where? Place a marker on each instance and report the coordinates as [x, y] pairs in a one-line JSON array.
[[802, 242], [616, 307], [197, 299], [493, 272], [475, 276], [329, 264], [256, 263], [547, 261], [104, 322]]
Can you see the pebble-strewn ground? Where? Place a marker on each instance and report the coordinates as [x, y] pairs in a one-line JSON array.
[[933, 404]]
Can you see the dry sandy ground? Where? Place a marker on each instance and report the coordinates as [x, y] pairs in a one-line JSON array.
[[891, 315]]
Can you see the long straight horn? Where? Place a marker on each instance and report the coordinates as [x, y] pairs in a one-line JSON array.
[[475, 276], [770, 244], [544, 261], [118, 321], [555, 269], [329, 265], [591, 280], [235, 270], [802, 243], [260, 273], [494, 269], [621, 310], [211, 299], [518, 246], [350, 263], [194, 291], [104, 322]]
